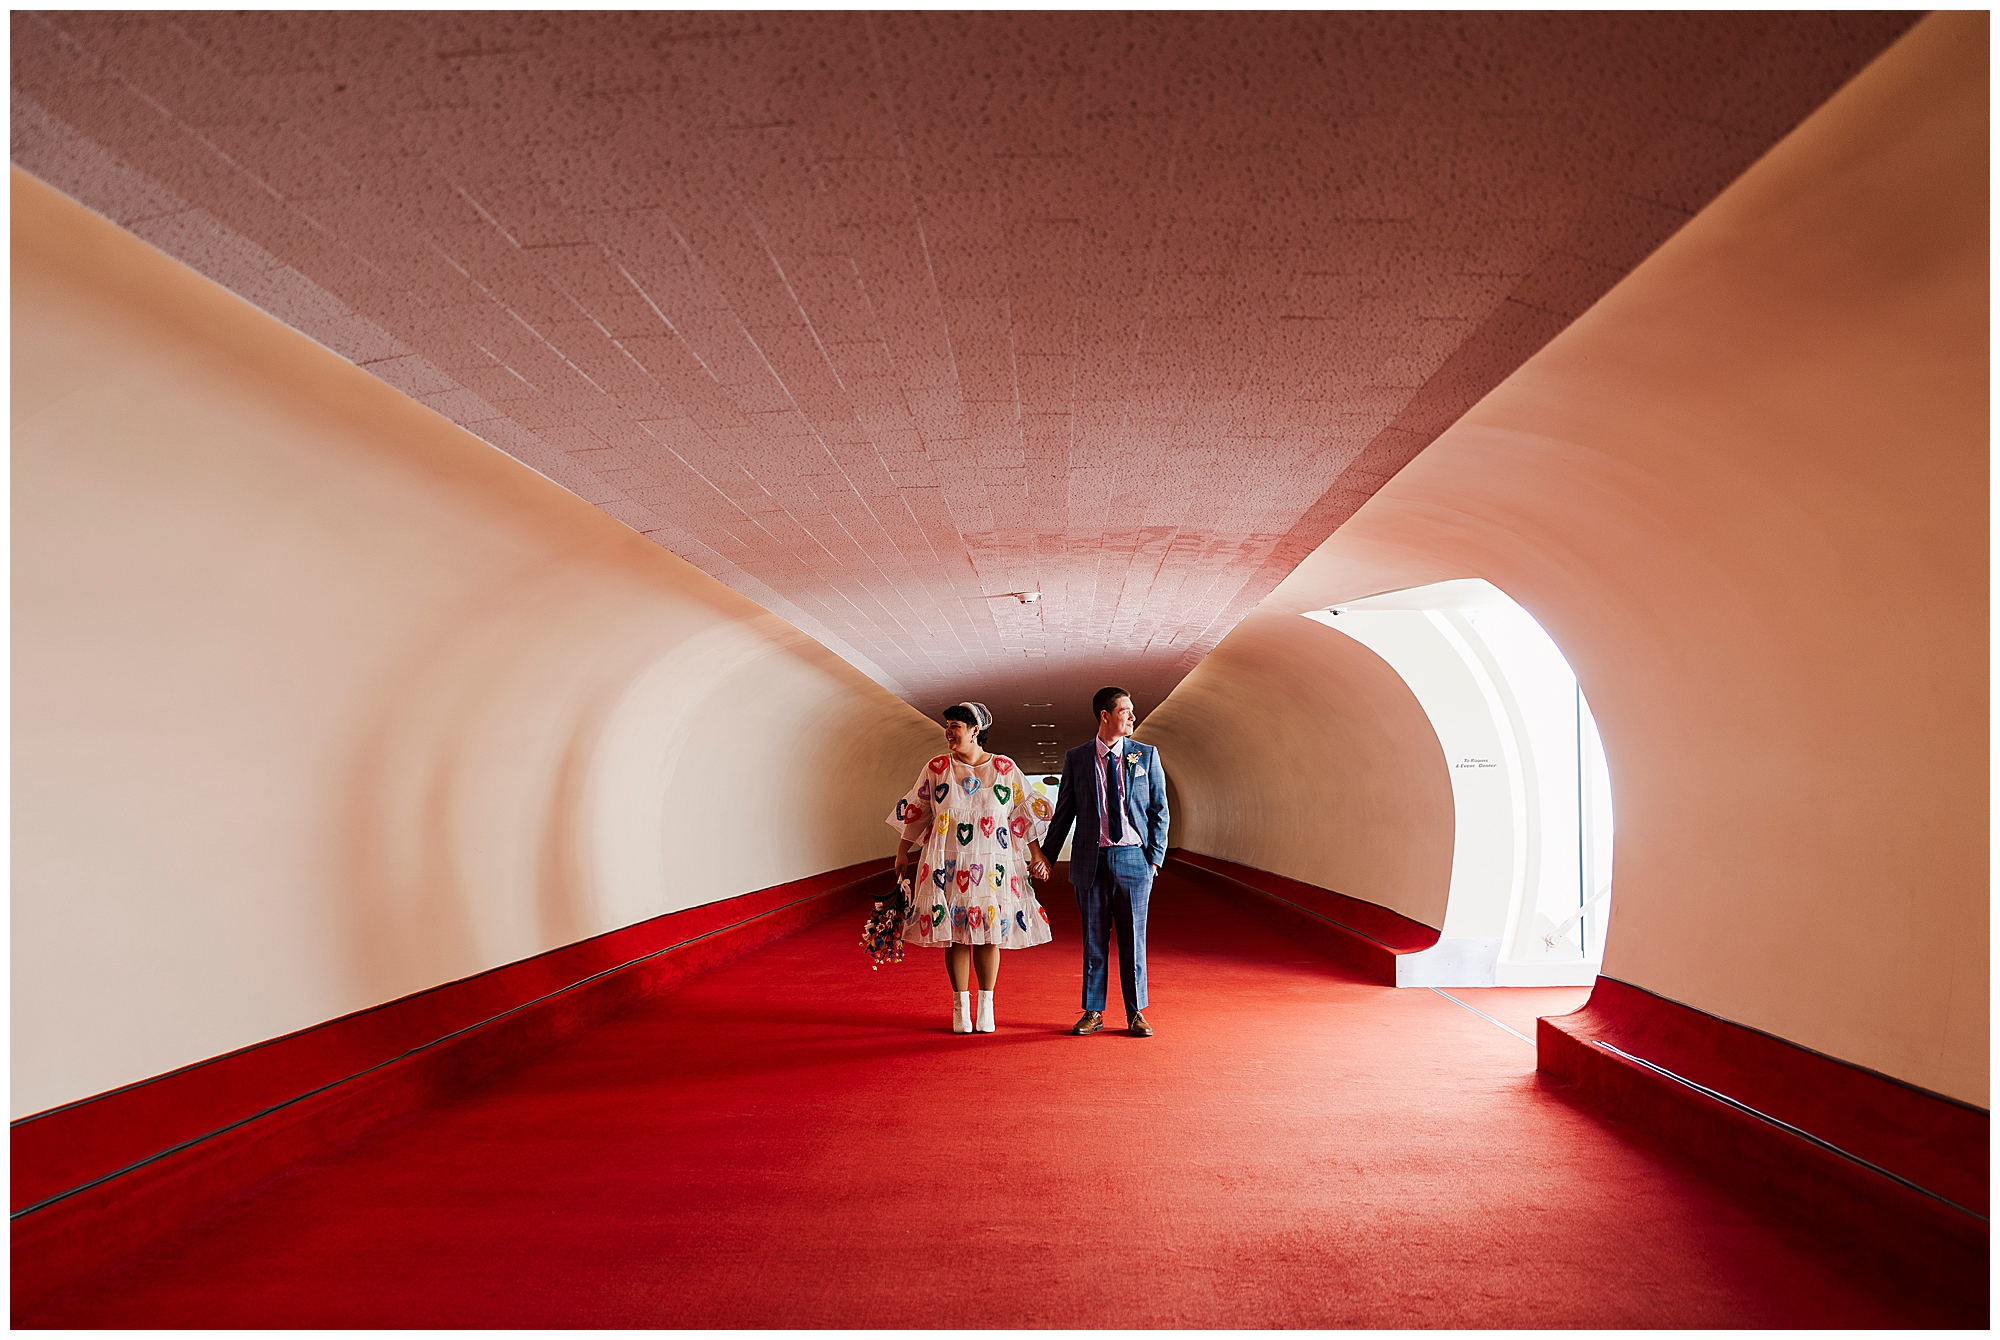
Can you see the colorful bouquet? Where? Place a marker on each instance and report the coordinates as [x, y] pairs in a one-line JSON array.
[[882, 933]]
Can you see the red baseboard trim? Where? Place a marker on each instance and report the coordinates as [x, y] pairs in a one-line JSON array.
[[97, 1179], [1363, 936], [1881, 1168]]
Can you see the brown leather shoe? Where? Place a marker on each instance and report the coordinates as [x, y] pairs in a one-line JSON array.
[[1138, 1027], [1092, 1022]]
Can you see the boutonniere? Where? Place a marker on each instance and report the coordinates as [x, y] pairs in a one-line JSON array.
[[1132, 759]]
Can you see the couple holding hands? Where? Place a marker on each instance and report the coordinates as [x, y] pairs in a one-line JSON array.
[[974, 834]]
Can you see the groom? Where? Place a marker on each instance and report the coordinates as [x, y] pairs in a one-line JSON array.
[[1116, 794]]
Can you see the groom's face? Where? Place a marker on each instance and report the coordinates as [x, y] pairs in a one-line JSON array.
[[1119, 718]]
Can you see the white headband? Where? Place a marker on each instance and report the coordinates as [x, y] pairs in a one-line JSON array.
[[979, 714]]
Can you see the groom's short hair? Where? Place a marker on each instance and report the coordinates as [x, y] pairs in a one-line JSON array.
[[1106, 700]]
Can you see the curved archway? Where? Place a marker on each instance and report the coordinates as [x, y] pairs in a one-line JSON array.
[[1531, 793]]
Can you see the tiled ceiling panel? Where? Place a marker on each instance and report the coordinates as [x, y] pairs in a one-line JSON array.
[[874, 317]]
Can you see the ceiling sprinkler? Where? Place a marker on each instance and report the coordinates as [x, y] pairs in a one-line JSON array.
[[1025, 597]]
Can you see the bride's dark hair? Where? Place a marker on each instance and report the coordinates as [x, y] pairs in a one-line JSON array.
[[960, 712]]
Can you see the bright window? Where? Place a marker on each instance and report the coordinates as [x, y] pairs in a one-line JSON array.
[[1531, 857]]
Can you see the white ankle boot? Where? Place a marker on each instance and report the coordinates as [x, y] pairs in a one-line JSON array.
[[961, 1012], [985, 1024]]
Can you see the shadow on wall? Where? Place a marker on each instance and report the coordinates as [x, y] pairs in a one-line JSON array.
[[655, 758], [326, 702]]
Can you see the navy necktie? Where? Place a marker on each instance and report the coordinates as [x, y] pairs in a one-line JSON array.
[[1113, 811]]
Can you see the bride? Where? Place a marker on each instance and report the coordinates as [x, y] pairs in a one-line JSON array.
[[971, 827]]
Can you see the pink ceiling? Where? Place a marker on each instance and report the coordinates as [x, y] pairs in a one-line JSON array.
[[872, 317]]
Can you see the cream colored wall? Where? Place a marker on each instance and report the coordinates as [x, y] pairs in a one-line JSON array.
[[1309, 757], [319, 701], [1746, 493]]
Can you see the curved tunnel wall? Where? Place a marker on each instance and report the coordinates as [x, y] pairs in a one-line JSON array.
[[319, 701], [1746, 494], [1321, 767]]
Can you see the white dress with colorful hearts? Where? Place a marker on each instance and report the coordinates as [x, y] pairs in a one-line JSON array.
[[974, 824]]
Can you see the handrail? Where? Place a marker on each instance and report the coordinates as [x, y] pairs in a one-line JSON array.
[[1783, 1125], [314, 1092], [1574, 917]]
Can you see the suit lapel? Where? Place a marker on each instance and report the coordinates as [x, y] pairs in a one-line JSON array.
[[1087, 775], [1137, 766]]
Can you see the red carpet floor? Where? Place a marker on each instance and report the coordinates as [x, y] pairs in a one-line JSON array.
[[795, 1141]]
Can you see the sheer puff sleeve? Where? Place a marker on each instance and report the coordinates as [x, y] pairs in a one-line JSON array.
[[1028, 812], [912, 816]]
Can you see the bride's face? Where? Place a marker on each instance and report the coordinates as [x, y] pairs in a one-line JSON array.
[[961, 739]]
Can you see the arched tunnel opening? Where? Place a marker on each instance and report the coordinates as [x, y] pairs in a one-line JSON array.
[[1530, 785]]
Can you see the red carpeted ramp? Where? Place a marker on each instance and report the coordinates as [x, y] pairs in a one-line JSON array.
[[791, 1140]]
